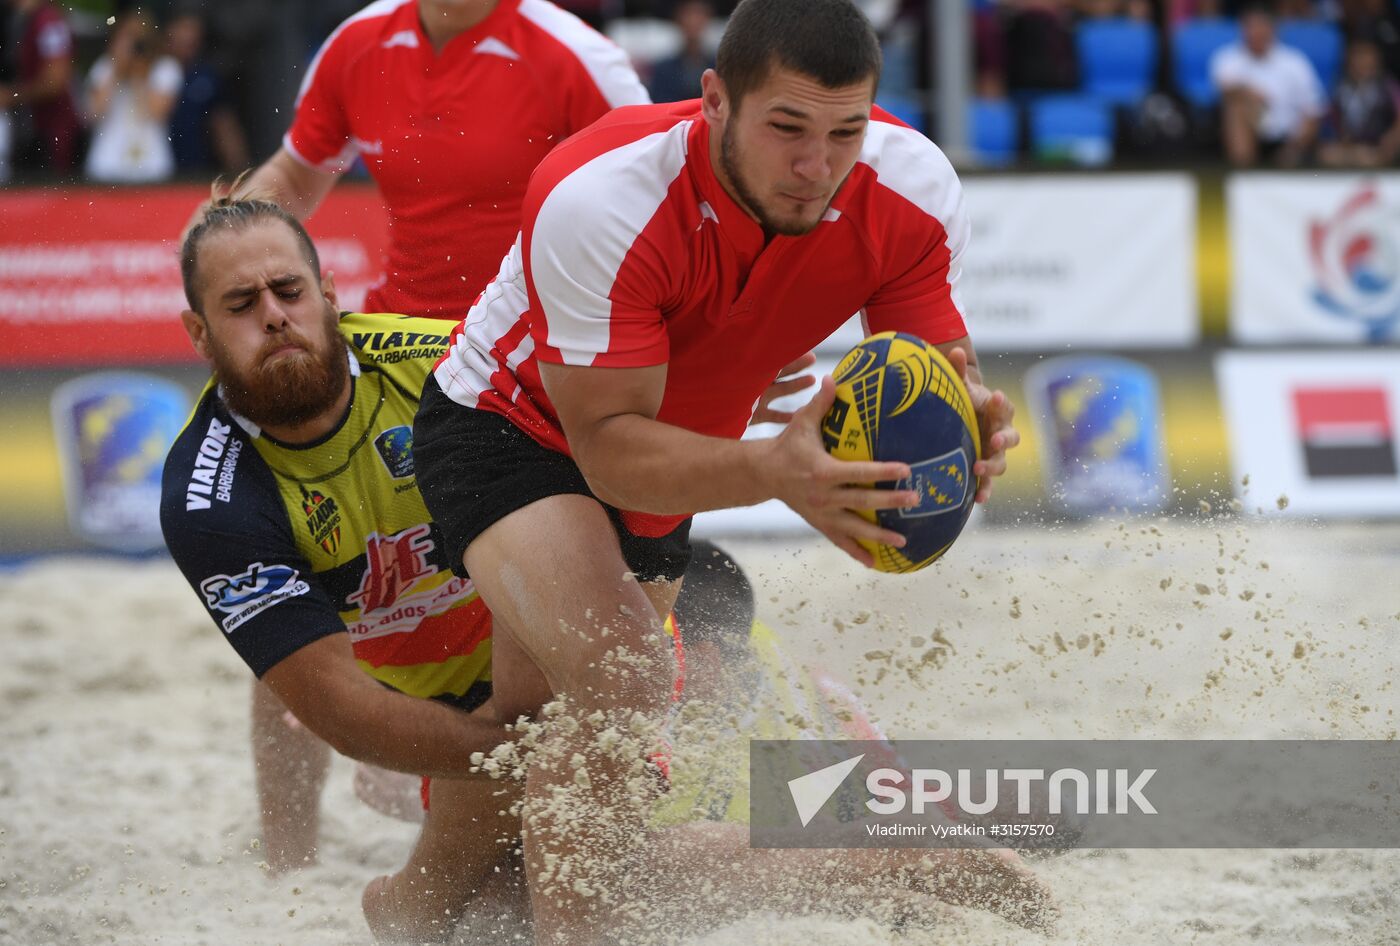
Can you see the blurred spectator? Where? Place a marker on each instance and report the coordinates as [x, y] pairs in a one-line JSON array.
[[1365, 117], [1379, 22], [1040, 51], [203, 126], [1271, 98], [131, 93], [42, 113], [677, 77], [1114, 9]]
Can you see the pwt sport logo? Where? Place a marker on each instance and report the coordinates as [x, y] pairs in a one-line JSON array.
[[1356, 263], [250, 592]]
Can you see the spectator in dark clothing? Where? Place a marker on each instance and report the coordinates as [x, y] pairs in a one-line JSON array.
[[204, 130], [1041, 55], [677, 77], [1379, 22], [1365, 117], [43, 113]]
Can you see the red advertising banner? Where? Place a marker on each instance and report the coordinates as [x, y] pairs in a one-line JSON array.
[[91, 276]]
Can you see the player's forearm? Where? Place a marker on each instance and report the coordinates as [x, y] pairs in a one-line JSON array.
[[290, 183], [418, 736], [644, 465]]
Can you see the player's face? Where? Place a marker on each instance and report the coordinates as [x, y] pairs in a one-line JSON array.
[[270, 326], [787, 147]]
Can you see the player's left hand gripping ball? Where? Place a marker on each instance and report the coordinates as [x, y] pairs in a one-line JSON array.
[[994, 412], [899, 399]]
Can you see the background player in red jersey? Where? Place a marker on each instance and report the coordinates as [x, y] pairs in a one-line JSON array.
[[671, 260], [450, 104]]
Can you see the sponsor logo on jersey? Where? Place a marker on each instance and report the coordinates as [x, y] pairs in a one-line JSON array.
[[393, 564], [395, 448], [378, 341], [405, 38], [322, 519], [249, 593], [207, 480]]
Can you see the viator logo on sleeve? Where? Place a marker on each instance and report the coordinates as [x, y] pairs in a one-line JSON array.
[[249, 593], [206, 480]]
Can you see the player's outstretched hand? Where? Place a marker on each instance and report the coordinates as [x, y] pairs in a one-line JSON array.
[[790, 380], [823, 490], [994, 413]]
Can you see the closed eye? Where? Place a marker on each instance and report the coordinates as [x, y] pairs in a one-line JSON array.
[[785, 129]]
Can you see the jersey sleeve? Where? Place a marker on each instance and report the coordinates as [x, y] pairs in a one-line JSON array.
[[1225, 71], [596, 290], [238, 555], [927, 233], [603, 80], [320, 133], [167, 77], [594, 74]]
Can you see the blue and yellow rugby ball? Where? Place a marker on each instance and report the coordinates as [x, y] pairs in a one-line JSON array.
[[898, 399]]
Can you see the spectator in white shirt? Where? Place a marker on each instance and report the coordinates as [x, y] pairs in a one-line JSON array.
[[1271, 98], [131, 92]]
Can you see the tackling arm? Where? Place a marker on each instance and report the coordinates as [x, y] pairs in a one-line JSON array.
[[325, 689]]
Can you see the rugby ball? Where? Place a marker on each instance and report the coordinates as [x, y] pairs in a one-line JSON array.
[[899, 399]]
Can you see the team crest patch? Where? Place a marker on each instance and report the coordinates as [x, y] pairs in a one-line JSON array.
[[395, 448], [322, 519]]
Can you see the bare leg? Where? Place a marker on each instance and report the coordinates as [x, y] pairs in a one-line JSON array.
[[1240, 111], [467, 833], [290, 763], [557, 586]]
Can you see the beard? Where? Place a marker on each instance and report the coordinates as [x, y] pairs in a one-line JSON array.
[[731, 161], [293, 389]]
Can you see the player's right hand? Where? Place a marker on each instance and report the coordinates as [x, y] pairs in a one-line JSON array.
[[795, 467]]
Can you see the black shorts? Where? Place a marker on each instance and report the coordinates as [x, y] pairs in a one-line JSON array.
[[474, 468]]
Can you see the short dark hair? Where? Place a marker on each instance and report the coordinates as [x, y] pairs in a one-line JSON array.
[[829, 40], [233, 209]]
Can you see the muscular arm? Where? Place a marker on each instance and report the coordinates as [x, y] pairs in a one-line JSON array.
[[326, 690], [634, 461], [292, 184]]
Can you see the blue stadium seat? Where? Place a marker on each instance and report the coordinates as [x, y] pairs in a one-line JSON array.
[[1193, 43], [1320, 42], [1075, 128], [1117, 59], [995, 130]]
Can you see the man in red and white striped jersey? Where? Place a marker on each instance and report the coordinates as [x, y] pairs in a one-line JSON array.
[[451, 104], [672, 259]]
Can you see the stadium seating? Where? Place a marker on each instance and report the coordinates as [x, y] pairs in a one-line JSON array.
[[1074, 128], [1320, 42], [1193, 43], [1117, 59], [907, 108], [995, 131]]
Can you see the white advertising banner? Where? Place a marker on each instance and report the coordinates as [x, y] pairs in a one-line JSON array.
[[1314, 258], [1314, 433], [1097, 262]]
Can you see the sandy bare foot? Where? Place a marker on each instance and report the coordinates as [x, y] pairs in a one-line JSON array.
[[392, 917]]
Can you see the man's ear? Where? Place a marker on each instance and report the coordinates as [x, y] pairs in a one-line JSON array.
[[328, 289], [198, 331], [714, 99]]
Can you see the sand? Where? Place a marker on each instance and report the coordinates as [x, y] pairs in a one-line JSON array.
[[127, 809]]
